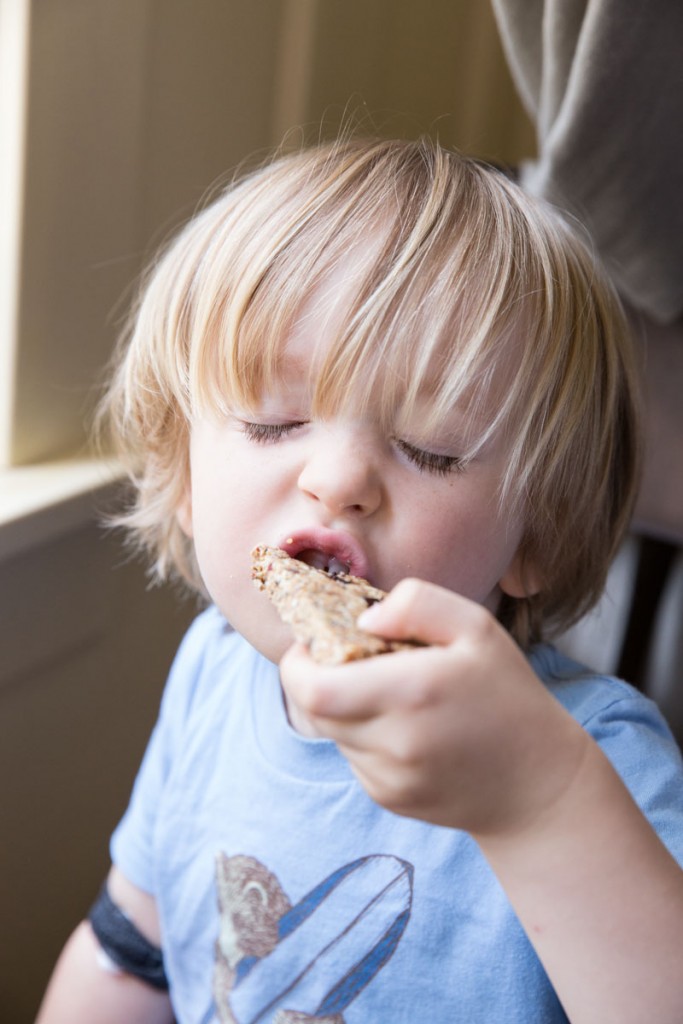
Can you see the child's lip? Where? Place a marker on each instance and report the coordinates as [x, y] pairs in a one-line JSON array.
[[334, 544]]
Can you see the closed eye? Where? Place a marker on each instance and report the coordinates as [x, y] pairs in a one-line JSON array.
[[266, 433], [430, 462]]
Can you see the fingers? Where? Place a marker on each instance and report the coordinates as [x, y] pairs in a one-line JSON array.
[[415, 610], [352, 691], [427, 731], [365, 708], [373, 686]]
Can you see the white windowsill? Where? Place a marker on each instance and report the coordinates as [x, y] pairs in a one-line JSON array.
[[39, 503]]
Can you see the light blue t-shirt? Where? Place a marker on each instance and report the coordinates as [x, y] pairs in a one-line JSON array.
[[282, 887]]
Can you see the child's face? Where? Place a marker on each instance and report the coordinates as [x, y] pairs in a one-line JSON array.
[[340, 493]]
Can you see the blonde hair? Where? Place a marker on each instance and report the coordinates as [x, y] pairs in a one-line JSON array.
[[467, 274]]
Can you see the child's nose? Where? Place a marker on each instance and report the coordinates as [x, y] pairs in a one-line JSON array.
[[344, 477]]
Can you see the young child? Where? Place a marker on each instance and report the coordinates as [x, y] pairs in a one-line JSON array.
[[384, 356]]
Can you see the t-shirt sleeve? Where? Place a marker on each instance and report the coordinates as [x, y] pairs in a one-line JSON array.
[[634, 736], [132, 844], [632, 732]]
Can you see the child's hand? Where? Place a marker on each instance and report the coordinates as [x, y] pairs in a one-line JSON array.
[[461, 733]]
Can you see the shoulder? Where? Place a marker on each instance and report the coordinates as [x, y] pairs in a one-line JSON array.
[[593, 697], [631, 731], [208, 631], [210, 651]]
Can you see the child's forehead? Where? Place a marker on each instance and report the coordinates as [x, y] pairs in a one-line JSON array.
[[373, 321], [398, 391], [325, 310]]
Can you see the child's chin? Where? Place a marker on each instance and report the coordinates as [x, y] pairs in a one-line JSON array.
[[262, 627], [272, 643]]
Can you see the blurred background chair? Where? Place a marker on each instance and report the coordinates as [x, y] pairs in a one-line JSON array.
[[636, 631]]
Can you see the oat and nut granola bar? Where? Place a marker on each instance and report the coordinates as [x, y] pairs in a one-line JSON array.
[[321, 608]]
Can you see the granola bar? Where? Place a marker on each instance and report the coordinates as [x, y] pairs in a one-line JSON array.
[[321, 608]]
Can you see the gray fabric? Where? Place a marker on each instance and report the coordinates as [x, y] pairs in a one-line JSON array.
[[122, 941], [603, 83]]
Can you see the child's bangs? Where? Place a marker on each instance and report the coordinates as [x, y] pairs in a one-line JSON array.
[[409, 372], [447, 326], [247, 308], [414, 341], [438, 292]]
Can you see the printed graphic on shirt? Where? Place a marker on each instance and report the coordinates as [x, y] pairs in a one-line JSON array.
[[283, 964]]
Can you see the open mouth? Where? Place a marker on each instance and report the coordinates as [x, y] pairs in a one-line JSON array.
[[321, 560], [333, 551]]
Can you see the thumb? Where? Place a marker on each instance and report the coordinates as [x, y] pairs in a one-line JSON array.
[[416, 610]]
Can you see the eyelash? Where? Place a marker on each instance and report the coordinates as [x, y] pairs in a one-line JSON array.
[[428, 462], [264, 433]]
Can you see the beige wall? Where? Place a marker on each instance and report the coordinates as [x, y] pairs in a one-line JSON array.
[[85, 649], [434, 67], [135, 108]]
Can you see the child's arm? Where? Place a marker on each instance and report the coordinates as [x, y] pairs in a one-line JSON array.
[[82, 992], [600, 898], [464, 734]]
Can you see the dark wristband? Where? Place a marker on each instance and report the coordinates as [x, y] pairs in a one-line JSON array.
[[124, 944]]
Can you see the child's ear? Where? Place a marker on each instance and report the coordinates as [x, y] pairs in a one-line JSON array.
[[184, 513], [520, 579]]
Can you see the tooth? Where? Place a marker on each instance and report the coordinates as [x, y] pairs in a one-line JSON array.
[[335, 567]]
